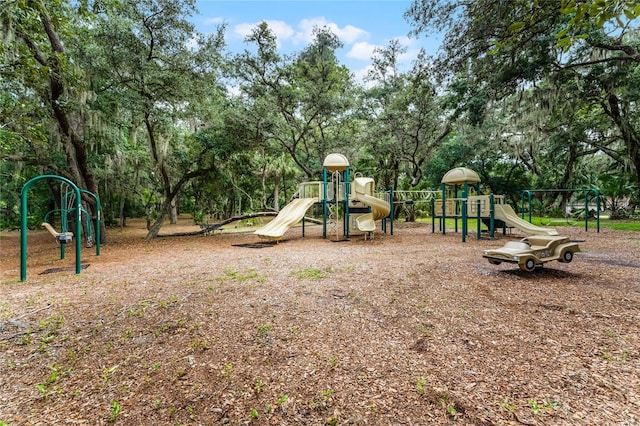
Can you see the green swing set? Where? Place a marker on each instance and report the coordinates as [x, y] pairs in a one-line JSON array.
[[70, 207]]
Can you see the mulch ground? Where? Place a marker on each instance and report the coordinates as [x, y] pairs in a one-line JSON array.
[[414, 328]]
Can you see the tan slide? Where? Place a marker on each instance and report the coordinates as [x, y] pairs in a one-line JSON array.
[[290, 214], [505, 213], [380, 209]]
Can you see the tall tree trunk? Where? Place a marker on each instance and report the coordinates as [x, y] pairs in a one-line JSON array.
[[121, 212], [161, 165], [276, 192], [73, 143], [629, 135], [173, 212]]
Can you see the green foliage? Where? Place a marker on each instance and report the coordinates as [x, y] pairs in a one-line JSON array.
[[46, 387], [616, 14], [154, 122], [551, 114], [618, 192], [115, 411]]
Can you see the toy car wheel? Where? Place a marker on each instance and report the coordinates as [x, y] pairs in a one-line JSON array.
[[528, 265], [567, 256], [494, 262]]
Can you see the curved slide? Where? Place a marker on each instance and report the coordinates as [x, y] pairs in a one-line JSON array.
[[290, 214], [379, 208], [505, 213]]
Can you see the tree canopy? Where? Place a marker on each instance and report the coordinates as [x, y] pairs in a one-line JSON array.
[[127, 100]]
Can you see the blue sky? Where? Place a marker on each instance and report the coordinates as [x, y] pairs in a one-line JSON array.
[[362, 25]]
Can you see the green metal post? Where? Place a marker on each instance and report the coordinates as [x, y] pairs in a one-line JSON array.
[[478, 219], [597, 209], [433, 214], [455, 214], [392, 214], [346, 202], [443, 224], [464, 215], [23, 223], [528, 193], [98, 223], [324, 202], [504, 224], [586, 211], [492, 215]]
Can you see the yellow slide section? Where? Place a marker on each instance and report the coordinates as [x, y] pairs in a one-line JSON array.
[[379, 208], [291, 214], [505, 213], [362, 188]]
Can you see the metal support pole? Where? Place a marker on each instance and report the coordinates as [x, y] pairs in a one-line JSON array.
[[464, 216], [324, 202], [347, 194], [492, 216], [443, 219], [478, 219], [597, 209]]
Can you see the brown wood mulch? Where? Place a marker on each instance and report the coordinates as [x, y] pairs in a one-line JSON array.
[[413, 328]]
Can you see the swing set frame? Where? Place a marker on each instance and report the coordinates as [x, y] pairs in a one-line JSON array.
[[75, 207], [526, 197]]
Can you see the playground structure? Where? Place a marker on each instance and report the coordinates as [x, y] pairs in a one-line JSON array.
[[354, 202], [456, 203], [61, 237], [70, 207], [460, 199], [412, 203]]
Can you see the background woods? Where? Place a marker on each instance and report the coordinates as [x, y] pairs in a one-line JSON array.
[[130, 102]]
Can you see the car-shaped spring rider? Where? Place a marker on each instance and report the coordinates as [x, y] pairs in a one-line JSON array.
[[532, 252]]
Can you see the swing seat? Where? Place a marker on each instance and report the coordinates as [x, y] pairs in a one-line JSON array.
[[64, 237], [61, 237]]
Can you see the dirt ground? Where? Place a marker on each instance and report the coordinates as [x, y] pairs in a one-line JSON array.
[[413, 328]]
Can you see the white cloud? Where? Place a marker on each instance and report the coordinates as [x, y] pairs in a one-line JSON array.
[[192, 43], [360, 75], [214, 20], [362, 50], [304, 32], [281, 29], [347, 34]]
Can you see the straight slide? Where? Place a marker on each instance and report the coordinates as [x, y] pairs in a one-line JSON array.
[[290, 214], [505, 213]]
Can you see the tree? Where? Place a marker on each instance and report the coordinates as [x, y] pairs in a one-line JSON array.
[[404, 113], [298, 103], [158, 70], [38, 71], [525, 47]]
